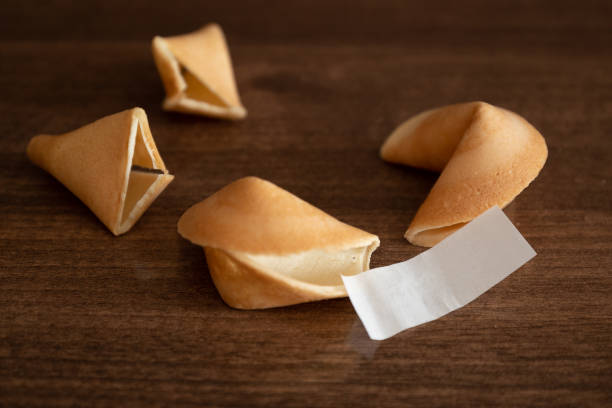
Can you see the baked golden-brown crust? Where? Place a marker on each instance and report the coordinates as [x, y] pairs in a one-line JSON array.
[[487, 156], [255, 216], [266, 247], [196, 70], [95, 163]]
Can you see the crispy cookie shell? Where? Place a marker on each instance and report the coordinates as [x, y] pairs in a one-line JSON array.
[[486, 155], [265, 247], [112, 165], [196, 70]]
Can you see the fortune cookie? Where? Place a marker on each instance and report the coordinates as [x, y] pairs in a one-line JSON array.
[[112, 165], [197, 73], [266, 247], [487, 156]]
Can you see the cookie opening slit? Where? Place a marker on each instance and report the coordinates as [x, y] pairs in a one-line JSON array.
[[143, 173], [435, 234], [317, 267]]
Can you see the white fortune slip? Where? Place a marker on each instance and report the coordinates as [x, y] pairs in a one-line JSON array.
[[442, 279]]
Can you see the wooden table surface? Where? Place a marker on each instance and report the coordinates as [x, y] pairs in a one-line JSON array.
[[89, 319]]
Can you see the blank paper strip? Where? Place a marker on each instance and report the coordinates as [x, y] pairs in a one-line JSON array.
[[442, 279]]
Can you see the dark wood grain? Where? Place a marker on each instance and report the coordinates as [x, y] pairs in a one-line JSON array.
[[88, 319]]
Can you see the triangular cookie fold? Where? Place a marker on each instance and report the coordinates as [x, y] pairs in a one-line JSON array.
[[196, 70], [112, 165]]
